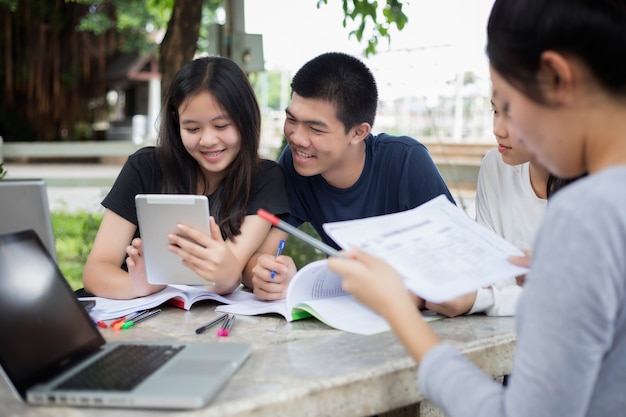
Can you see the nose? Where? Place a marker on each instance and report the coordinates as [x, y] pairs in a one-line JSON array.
[[208, 137], [500, 129], [295, 134]]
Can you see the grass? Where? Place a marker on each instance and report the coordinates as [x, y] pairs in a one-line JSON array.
[[75, 233]]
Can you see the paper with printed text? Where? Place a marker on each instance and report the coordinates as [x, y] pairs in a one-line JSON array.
[[440, 251]]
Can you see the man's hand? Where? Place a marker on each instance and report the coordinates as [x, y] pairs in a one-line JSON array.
[[263, 285]]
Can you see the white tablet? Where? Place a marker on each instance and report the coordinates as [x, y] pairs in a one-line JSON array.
[[158, 215]]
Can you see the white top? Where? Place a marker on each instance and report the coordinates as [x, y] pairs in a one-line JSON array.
[[507, 204]]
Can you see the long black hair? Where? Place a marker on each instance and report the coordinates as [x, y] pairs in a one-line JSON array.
[[519, 31], [229, 85], [555, 183]]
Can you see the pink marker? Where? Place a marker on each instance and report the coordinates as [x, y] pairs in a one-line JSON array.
[[286, 227], [224, 331]]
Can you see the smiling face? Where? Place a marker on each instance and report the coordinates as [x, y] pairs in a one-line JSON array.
[[509, 145], [209, 135], [553, 134], [318, 140]]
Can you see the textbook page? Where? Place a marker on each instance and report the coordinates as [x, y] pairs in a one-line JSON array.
[[252, 306], [316, 291], [313, 281], [439, 250], [107, 308]]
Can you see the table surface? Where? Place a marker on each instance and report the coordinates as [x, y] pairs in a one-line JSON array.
[[303, 368]]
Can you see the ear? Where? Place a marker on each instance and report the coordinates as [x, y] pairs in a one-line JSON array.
[[360, 132], [557, 76]]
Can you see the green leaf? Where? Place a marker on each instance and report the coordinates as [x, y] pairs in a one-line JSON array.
[[371, 20]]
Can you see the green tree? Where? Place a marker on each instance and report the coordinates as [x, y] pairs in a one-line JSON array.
[[183, 29], [50, 73], [54, 53], [365, 13], [267, 86]]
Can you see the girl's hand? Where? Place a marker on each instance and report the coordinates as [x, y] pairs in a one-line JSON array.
[[455, 307], [208, 256], [371, 280], [137, 270], [376, 284], [523, 261]]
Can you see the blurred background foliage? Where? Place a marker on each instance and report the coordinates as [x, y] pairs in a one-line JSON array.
[[75, 233]]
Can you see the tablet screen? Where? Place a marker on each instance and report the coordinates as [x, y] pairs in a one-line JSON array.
[[158, 215]]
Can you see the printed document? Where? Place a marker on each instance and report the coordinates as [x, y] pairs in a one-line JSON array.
[[440, 251]]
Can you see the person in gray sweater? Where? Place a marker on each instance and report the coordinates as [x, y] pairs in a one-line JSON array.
[[557, 70]]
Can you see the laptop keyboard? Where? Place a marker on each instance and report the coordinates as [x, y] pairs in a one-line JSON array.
[[122, 368]]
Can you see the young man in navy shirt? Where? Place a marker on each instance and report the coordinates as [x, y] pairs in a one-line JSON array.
[[335, 168]]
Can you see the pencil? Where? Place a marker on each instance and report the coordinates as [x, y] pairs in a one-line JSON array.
[[286, 227], [117, 324], [211, 323], [139, 318]]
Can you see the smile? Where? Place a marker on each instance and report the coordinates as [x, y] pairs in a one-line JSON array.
[[303, 155], [212, 154]]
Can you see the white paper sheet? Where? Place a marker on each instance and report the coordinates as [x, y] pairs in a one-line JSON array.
[[440, 251]]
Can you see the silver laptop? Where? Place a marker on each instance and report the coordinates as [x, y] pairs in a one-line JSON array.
[[51, 341], [24, 205]]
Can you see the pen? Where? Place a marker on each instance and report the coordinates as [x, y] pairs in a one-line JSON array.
[[211, 323], [117, 324], [279, 250], [141, 317], [224, 331], [99, 323], [286, 227]]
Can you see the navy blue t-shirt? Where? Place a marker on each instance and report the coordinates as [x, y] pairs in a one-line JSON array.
[[398, 175]]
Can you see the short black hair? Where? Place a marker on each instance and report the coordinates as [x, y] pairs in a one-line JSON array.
[[342, 80]]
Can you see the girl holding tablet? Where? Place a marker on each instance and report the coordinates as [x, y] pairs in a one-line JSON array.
[[207, 145]]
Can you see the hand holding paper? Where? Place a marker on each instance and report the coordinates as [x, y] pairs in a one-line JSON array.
[[370, 279], [440, 251]]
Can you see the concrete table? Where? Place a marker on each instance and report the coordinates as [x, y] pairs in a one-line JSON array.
[[305, 368]]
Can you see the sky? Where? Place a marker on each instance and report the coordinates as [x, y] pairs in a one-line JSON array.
[[441, 39]]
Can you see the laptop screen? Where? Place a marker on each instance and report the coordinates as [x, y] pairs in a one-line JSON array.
[[43, 326], [24, 205]]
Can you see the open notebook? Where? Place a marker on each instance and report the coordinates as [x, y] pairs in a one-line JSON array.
[[49, 341]]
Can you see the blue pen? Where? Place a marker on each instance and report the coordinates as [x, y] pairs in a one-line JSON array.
[[279, 250]]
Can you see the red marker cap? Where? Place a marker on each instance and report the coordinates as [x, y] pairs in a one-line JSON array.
[[265, 215]]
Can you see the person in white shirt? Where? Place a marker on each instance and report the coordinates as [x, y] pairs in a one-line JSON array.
[[557, 69], [511, 196]]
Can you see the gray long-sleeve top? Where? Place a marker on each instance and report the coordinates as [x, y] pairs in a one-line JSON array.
[[571, 320]]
